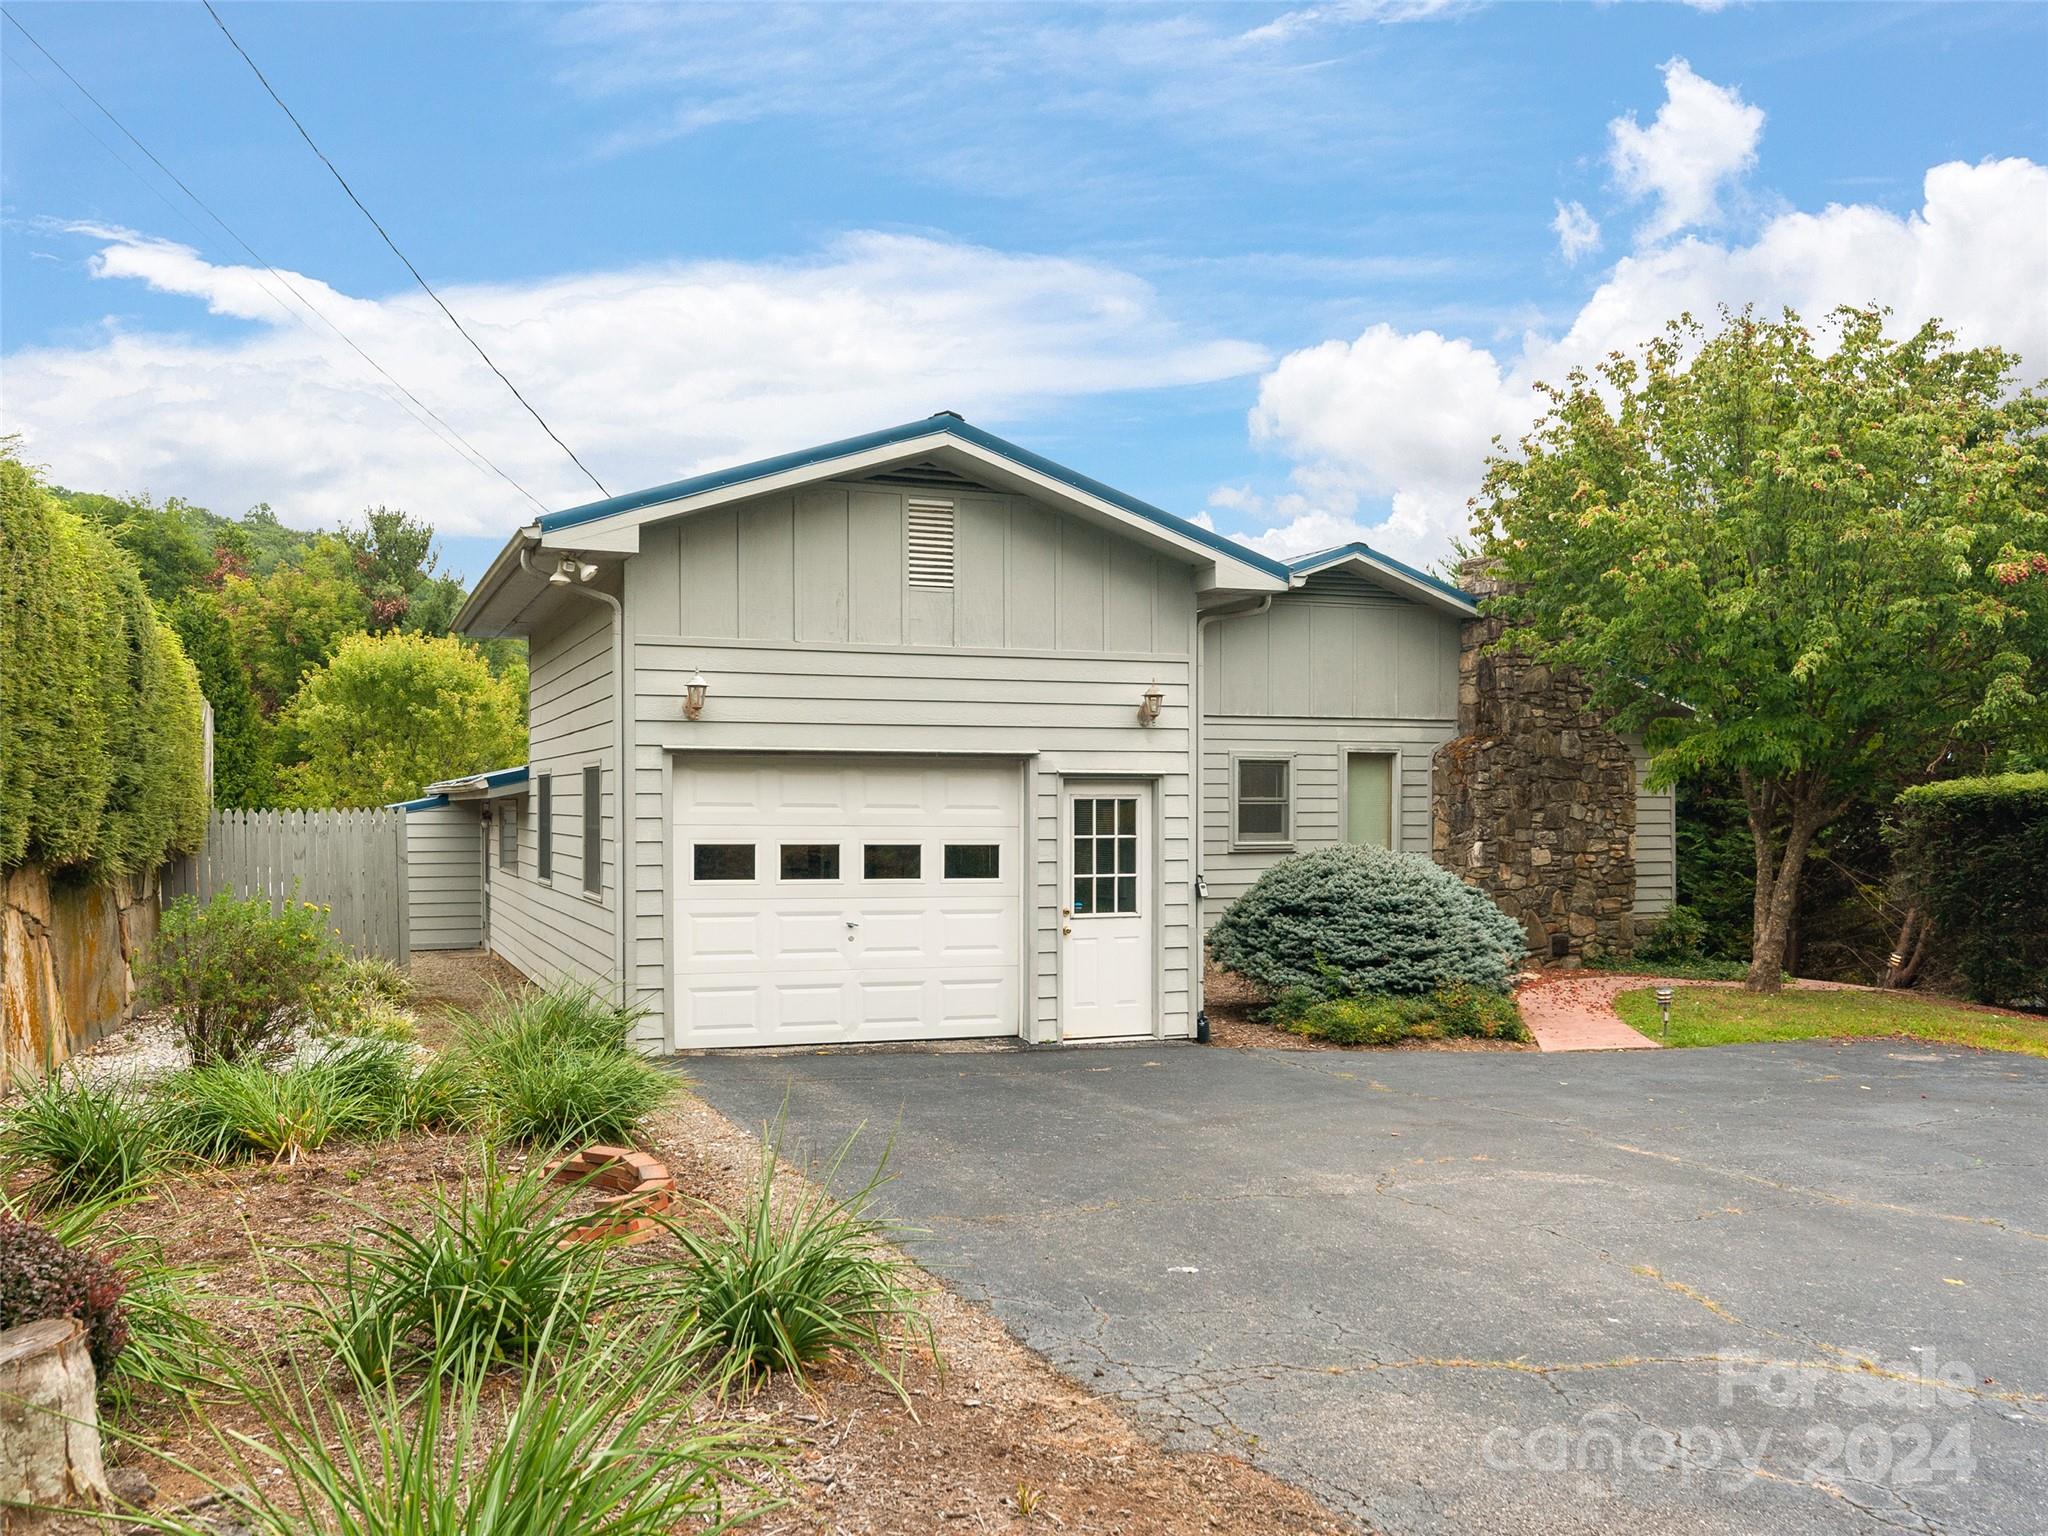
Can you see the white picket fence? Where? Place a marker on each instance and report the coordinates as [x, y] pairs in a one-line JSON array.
[[352, 862]]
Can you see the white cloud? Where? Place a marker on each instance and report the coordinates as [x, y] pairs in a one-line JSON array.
[[1578, 232], [1704, 135], [650, 373], [1403, 419]]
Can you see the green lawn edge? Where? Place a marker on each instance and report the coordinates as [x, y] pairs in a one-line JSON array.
[[1729, 1016]]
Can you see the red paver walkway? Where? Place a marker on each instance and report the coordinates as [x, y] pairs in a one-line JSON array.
[[1574, 1011]]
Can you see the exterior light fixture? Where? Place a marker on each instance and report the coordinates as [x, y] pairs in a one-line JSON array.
[[569, 570], [1148, 707], [693, 699], [1664, 1008]]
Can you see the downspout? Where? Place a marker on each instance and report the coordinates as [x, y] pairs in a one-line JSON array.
[[1202, 622], [623, 765]]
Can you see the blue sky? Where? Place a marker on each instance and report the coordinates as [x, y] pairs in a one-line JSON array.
[[1284, 268]]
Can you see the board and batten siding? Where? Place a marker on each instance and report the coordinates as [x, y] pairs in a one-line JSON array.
[[444, 876], [1339, 666], [1656, 843], [798, 611], [552, 930]]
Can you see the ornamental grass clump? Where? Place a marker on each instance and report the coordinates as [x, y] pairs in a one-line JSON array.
[[793, 1277], [229, 1110], [79, 1140], [1351, 921], [556, 1070], [611, 1438], [479, 1272]]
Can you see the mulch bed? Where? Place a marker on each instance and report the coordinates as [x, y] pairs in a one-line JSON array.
[[993, 1427]]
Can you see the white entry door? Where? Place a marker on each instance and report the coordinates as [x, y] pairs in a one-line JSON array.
[[1106, 949], [837, 899]]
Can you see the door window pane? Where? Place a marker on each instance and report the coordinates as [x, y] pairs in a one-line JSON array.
[[973, 861], [891, 861], [1105, 855], [722, 861], [810, 861]]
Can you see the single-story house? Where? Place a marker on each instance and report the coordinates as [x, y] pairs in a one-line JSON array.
[[925, 736]]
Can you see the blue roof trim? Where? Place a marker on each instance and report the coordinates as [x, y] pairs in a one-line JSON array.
[[497, 778], [944, 421], [424, 803], [1323, 557]]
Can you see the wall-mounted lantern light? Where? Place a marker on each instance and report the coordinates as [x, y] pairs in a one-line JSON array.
[[693, 699], [1149, 706]]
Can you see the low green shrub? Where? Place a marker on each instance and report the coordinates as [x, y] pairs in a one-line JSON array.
[[1351, 920], [784, 1282], [556, 1069], [1456, 1012], [237, 978], [80, 1140], [43, 1277], [1680, 934], [476, 1273]]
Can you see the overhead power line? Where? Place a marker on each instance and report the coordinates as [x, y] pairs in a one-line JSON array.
[[425, 287], [460, 445]]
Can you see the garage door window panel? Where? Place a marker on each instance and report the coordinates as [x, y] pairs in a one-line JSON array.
[[722, 861], [892, 861], [974, 861], [810, 861]]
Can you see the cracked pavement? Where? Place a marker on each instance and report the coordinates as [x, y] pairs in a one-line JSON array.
[[1796, 1288]]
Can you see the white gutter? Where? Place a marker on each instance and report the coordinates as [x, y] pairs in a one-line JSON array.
[[1202, 622], [623, 764]]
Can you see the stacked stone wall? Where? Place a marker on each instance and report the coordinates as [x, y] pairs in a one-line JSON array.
[[67, 963], [1534, 799]]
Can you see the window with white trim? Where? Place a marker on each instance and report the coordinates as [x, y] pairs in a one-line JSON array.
[[544, 830], [1262, 802], [593, 829], [928, 542]]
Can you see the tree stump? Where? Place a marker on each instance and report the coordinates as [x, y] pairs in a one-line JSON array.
[[49, 1423]]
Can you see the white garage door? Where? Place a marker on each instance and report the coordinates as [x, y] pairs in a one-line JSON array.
[[828, 900]]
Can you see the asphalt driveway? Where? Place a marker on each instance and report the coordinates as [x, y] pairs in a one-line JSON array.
[[1760, 1289]]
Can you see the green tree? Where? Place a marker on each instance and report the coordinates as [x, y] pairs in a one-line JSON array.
[[242, 770], [1833, 554], [290, 621], [390, 714]]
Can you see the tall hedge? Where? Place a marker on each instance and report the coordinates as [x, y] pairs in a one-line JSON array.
[[1975, 852], [101, 757], [244, 777]]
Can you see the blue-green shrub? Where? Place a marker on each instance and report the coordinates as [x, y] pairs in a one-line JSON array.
[[1351, 920]]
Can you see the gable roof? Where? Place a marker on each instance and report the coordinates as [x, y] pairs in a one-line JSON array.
[[1403, 578], [943, 428]]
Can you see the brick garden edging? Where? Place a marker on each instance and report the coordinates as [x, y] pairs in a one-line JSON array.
[[641, 1186]]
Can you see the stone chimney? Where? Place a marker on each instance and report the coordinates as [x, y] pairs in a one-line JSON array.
[[1535, 799]]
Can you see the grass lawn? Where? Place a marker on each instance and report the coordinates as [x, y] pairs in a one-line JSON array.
[[1727, 1016]]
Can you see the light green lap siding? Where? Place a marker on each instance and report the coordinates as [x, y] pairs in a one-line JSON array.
[[444, 881], [1656, 844], [552, 930]]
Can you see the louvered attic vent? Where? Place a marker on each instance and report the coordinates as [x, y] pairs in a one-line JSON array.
[[928, 535]]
